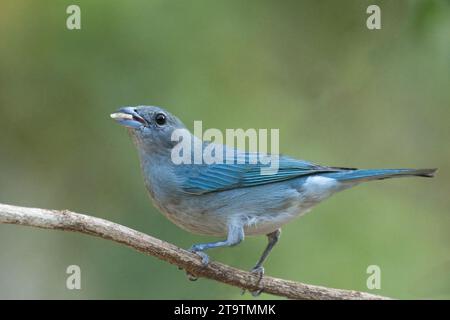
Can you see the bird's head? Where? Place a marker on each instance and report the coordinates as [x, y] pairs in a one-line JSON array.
[[150, 127]]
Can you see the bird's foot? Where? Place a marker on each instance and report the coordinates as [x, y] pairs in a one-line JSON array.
[[190, 276], [258, 271], [198, 251], [204, 257]]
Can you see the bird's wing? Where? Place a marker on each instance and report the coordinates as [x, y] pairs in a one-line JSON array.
[[201, 178]]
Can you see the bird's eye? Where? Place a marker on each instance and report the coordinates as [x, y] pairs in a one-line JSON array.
[[160, 119]]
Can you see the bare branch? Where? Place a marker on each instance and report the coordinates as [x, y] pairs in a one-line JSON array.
[[71, 221]]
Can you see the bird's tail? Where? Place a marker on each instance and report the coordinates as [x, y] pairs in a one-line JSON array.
[[362, 175]]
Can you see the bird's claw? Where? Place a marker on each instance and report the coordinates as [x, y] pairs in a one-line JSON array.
[[202, 255], [205, 261], [191, 277], [259, 271]]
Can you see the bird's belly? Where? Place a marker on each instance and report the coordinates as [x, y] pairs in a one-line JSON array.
[[261, 209], [205, 216], [217, 225], [264, 224], [197, 222]]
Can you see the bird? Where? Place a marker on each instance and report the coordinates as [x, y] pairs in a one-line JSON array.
[[232, 200]]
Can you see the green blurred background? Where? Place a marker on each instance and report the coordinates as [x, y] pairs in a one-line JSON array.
[[339, 93]]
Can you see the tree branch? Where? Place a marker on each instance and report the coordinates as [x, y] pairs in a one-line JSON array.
[[71, 221]]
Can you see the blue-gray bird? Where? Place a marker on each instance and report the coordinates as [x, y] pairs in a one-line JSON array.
[[232, 200]]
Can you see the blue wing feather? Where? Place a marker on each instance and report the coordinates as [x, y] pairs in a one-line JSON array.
[[202, 178]]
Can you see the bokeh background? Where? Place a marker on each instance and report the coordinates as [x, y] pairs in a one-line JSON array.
[[339, 93]]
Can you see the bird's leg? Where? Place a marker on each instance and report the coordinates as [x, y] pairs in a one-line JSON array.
[[234, 237], [258, 269], [273, 239]]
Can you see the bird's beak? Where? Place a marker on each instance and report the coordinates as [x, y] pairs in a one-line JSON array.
[[128, 117]]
